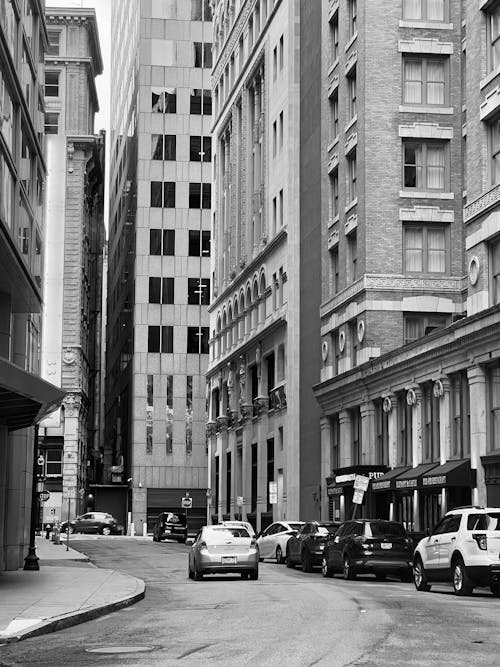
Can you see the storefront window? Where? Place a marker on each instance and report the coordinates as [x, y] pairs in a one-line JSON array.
[[460, 416], [405, 420], [493, 375], [431, 445], [382, 434], [356, 437]]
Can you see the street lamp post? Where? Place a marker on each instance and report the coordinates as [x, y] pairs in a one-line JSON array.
[[31, 560]]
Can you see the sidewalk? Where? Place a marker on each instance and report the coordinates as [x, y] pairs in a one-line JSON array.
[[66, 590]]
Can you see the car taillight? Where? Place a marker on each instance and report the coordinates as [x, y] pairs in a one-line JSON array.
[[253, 543], [481, 540]]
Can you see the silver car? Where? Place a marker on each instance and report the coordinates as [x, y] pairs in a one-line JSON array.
[[223, 550]]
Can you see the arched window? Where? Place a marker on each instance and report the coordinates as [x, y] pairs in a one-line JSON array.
[[255, 305], [262, 295]]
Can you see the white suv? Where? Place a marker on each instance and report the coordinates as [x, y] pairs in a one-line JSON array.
[[463, 548]]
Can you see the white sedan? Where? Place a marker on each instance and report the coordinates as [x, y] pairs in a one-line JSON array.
[[272, 541]]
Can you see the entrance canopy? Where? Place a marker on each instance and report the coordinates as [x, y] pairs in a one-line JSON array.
[[412, 478], [388, 481], [451, 473]]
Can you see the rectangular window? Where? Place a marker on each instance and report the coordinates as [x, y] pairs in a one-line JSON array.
[[494, 147], [275, 214], [162, 194], [425, 249], [405, 421], [196, 154], [54, 42], [202, 54], [164, 100], [334, 269], [352, 241], [495, 271], [53, 462], [430, 419], [493, 383], [281, 208], [197, 340], [424, 10], [493, 36], [281, 52], [334, 194], [149, 414], [195, 248], [334, 38], [160, 339], [351, 177], [200, 195], [334, 116], [51, 124], [163, 147], [51, 84], [201, 10], [424, 81], [161, 290], [351, 91], [460, 415], [275, 138], [189, 414], [280, 131], [161, 241], [200, 102], [198, 293], [419, 325], [382, 433], [353, 17], [356, 445], [425, 166], [275, 63], [169, 414]]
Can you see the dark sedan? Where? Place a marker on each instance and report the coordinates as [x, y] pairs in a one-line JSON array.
[[369, 546], [306, 547]]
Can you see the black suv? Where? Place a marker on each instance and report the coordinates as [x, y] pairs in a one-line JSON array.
[[170, 525], [365, 546]]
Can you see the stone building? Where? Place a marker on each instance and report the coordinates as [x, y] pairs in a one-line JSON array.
[[69, 440], [24, 397], [263, 427], [409, 313], [159, 247]]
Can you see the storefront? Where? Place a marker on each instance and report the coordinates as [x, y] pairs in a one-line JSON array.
[[491, 464], [452, 484], [340, 491]]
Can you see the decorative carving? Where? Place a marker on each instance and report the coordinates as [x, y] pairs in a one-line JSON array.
[[387, 404], [474, 268], [324, 350], [69, 356], [211, 429], [411, 397], [361, 330], [341, 340], [438, 389]]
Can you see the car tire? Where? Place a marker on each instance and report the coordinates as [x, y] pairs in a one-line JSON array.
[[197, 575], [419, 576], [190, 572], [279, 555], [349, 573], [306, 561], [289, 561], [254, 574], [155, 539], [105, 530], [326, 570], [462, 583], [495, 590]]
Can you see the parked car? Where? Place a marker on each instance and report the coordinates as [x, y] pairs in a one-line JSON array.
[[93, 522], [306, 547], [222, 550], [239, 524], [463, 548], [273, 540], [369, 546], [170, 525]]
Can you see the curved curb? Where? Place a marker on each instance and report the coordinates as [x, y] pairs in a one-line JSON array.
[[74, 618]]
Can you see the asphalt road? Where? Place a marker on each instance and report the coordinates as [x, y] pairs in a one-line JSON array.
[[285, 618]]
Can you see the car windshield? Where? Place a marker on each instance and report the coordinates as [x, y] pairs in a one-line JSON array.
[[225, 532], [385, 529]]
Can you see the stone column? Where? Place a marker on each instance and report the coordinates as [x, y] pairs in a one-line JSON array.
[[222, 448], [262, 480], [345, 453], [246, 465], [391, 406], [326, 462], [416, 452], [367, 411], [444, 418], [71, 456], [478, 429]]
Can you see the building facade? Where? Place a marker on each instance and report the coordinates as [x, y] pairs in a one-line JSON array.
[[69, 440], [263, 424], [409, 315], [24, 397], [159, 248]]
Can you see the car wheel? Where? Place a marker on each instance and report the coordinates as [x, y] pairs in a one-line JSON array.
[[254, 574], [419, 576], [71, 530], [190, 572], [288, 560], [349, 573], [279, 555], [462, 583], [105, 530], [197, 575], [495, 589], [244, 575], [326, 571], [306, 561], [155, 539]]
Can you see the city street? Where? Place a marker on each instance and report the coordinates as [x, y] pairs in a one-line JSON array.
[[285, 618]]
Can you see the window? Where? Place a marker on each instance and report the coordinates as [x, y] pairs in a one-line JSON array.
[[460, 415], [417, 326], [493, 36], [200, 195], [275, 138], [164, 100], [195, 249], [353, 342], [494, 147], [351, 177], [381, 433], [495, 271], [161, 290], [202, 54], [334, 38], [351, 90], [334, 116], [281, 52], [334, 269], [51, 123], [195, 151], [53, 462], [54, 42], [424, 10], [163, 147], [493, 384], [197, 340], [334, 194], [356, 447], [200, 102], [430, 418], [280, 131], [281, 218], [52, 84], [201, 10], [424, 81], [425, 249], [198, 293], [352, 242], [162, 241], [425, 166], [162, 194], [353, 17], [160, 339], [275, 63]]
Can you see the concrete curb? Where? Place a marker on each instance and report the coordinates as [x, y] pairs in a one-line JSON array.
[[75, 617]]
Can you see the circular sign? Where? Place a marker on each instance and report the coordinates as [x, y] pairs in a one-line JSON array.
[[187, 503], [43, 495]]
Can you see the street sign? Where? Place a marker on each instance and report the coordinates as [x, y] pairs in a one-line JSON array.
[[361, 483], [43, 495], [273, 493], [357, 498], [186, 503], [239, 501], [40, 460]]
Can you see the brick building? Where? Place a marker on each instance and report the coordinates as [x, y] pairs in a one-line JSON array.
[[409, 314], [69, 440]]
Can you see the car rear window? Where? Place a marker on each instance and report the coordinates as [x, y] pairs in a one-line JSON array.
[[385, 529], [483, 521], [227, 531], [327, 529], [175, 518]]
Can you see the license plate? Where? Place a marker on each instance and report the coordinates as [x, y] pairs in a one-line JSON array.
[[228, 560], [386, 545]]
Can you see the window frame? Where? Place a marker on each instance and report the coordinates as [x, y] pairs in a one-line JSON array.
[[425, 60], [425, 228], [425, 143], [424, 10], [53, 87], [426, 320]]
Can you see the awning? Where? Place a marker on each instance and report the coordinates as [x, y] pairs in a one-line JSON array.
[[388, 481], [451, 473], [24, 397], [412, 478]]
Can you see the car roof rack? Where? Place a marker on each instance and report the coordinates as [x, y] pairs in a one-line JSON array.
[[467, 507]]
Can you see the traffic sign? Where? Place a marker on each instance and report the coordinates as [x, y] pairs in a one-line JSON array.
[[273, 493], [239, 501], [361, 483], [358, 497], [44, 495], [186, 503]]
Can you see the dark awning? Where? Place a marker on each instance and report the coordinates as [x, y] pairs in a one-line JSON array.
[[412, 478], [24, 397], [451, 473], [388, 481]]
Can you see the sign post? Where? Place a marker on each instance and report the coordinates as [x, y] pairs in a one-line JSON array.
[[186, 504], [209, 502], [360, 486]]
